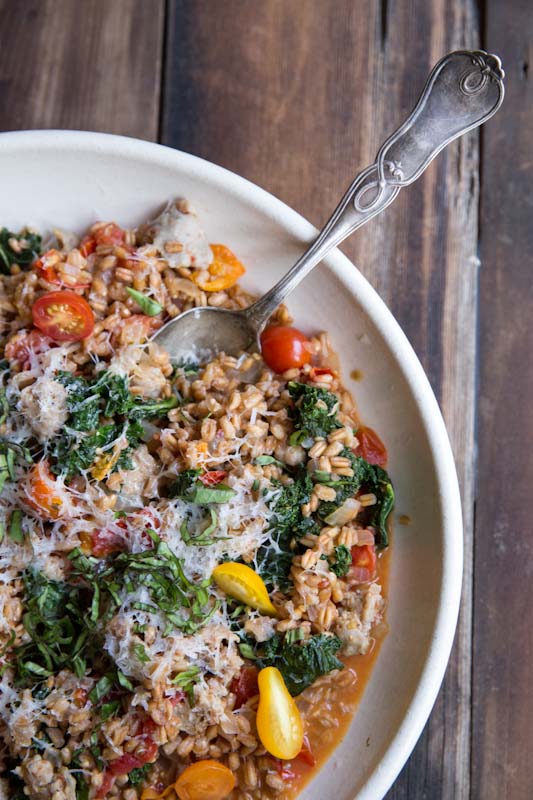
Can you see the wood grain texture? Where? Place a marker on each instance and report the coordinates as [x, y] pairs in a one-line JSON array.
[[91, 65], [297, 96], [503, 633]]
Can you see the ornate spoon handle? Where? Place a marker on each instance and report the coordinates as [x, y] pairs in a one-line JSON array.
[[464, 90]]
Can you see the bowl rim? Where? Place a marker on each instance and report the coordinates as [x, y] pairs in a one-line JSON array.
[[417, 714]]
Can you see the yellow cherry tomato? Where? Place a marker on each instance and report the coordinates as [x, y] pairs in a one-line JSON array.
[[224, 271], [245, 585], [279, 723], [205, 780]]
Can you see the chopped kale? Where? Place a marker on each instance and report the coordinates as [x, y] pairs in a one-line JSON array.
[[314, 411], [341, 561], [288, 525], [25, 252], [366, 478], [88, 401], [301, 662]]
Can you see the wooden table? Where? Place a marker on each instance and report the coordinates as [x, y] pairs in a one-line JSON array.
[[295, 95]]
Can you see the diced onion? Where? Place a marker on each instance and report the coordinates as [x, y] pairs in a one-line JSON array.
[[344, 513]]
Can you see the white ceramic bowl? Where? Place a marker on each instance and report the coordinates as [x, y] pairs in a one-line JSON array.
[[70, 179]]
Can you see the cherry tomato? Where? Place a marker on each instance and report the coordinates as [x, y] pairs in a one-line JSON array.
[[284, 348], [105, 542], [363, 563], [306, 754], [87, 246], [205, 780], [43, 494], [106, 786], [108, 234], [317, 372], [135, 329], [245, 685], [22, 346], [370, 447], [243, 584], [212, 477], [278, 720], [46, 267], [63, 316], [224, 271]]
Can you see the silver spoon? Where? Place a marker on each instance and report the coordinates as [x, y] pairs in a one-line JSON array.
[[464, 89]]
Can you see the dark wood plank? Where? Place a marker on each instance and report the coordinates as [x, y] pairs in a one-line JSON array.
[[503, 634], [93, 65], [296, 96]]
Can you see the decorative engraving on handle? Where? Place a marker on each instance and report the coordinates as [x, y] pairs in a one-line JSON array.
[[486, 66]]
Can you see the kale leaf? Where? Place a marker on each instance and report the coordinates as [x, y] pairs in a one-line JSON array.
[[367, 478], [302, 662], [314, 411], [341, 561], [30, 248], [288, 525]]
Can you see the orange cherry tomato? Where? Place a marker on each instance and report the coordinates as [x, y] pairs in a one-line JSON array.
[[43, 495], [284, 348], [363, 563], [224, 271], [205, 780], [370, 447], [63, 316]]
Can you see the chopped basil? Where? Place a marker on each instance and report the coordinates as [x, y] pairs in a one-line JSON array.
[[148, 306], [101, 688], [188, 487], [15, 531], [263, 461]]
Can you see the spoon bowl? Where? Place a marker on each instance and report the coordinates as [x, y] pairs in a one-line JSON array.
[[194, 336]]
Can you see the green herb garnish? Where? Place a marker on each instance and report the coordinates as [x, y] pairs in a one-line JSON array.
[[147, 305], [188, 487]]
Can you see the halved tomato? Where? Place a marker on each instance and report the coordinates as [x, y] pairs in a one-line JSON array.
[[224, 271], [42, 492], [47, 269], [370, 447], [108, 233], [63, 316], [23, 345], [363, 563], [245, 685], [212, 477]]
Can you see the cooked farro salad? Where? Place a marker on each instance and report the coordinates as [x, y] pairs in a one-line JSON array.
[[191, 563]]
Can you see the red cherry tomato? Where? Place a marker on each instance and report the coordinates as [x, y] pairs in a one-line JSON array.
[[306, 754], [363, 563], [108, 234], [46, 267], [106, 786], [212, 477], [63, 316], [244, 686], [370, 447], [22, 346], [284, 348], [87, 246]]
